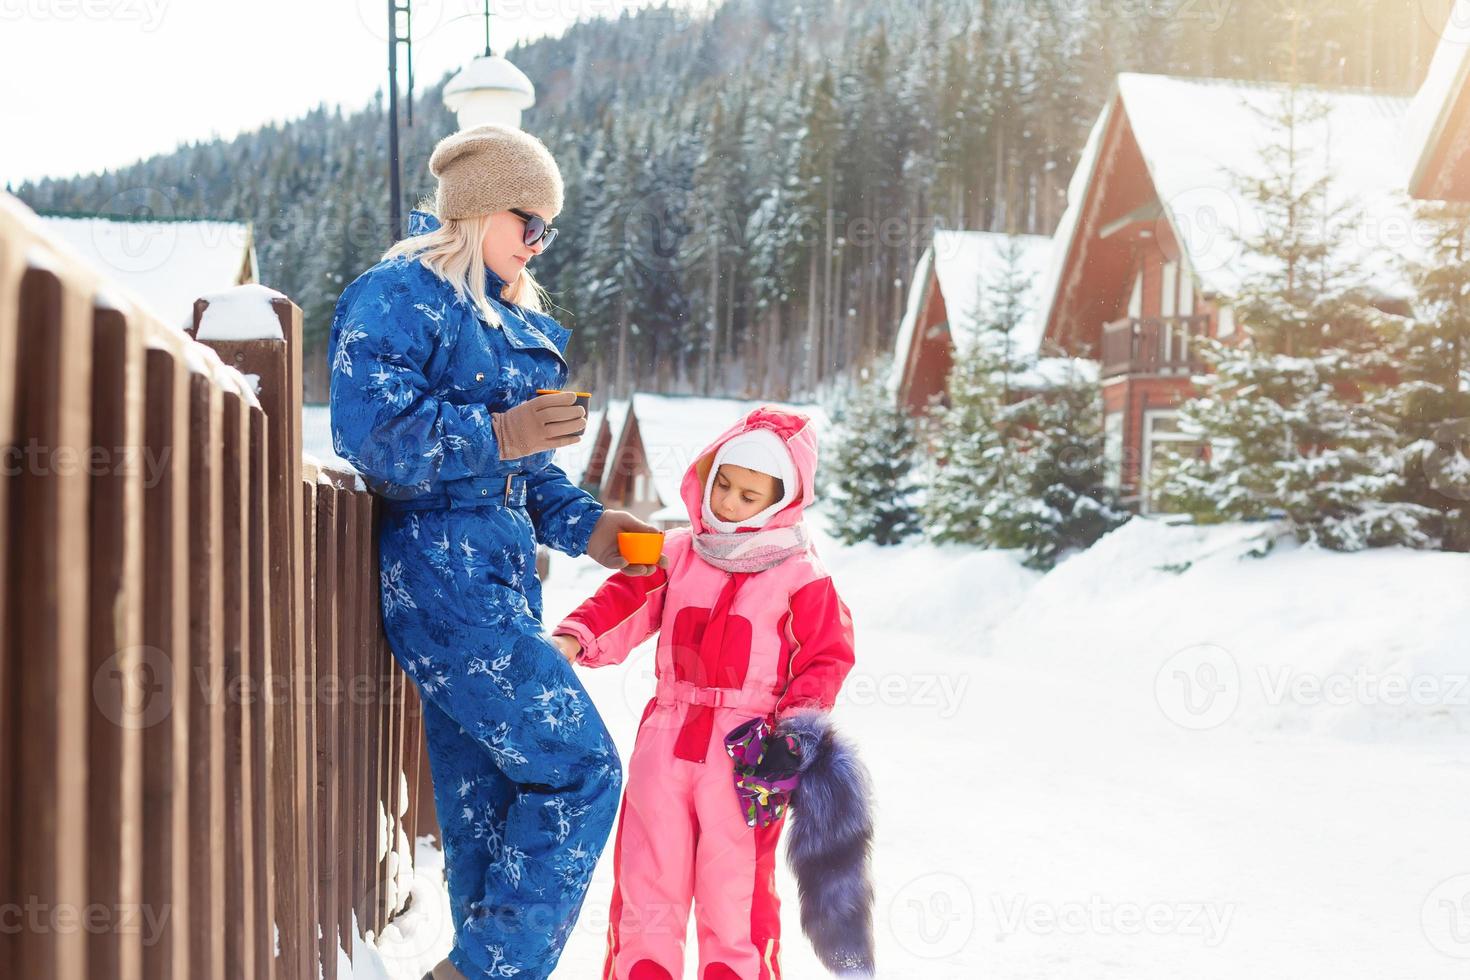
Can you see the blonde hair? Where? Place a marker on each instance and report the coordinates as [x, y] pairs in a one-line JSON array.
[[454, 253]]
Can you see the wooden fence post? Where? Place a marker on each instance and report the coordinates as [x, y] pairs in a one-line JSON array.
[[277, 365], [47, 557], [164, 703], [204, 684], [115, 764]]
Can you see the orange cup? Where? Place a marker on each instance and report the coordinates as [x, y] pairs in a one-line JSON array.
[[641, 547], [584, 398]]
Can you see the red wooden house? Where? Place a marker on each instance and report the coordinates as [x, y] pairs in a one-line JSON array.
[[1439, 121], [1147, 258], [952, 295]]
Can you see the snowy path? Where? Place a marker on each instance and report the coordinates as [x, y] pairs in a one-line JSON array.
[[1042, 815]]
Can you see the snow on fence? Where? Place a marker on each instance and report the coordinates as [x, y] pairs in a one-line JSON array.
[[209, 762]]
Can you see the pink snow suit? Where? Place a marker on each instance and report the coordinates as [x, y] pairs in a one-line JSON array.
[[732, 646]]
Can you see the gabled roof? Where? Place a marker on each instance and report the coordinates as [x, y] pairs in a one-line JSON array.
[[1438, 127], [1193, 134], [167, 264], [968, 265]]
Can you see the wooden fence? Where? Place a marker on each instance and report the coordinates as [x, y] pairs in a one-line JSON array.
[[207, 752]]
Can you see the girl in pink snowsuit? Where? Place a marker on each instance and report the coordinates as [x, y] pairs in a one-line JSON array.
[[749, 627]]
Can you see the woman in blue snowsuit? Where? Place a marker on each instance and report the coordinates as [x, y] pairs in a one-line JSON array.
[[433, 399]]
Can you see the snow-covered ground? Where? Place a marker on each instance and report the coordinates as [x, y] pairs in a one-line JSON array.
[[1161, 760]]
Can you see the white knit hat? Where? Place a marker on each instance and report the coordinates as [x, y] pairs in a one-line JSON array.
[[760, 450]]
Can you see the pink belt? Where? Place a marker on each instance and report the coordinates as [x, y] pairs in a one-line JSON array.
[[672, 691]]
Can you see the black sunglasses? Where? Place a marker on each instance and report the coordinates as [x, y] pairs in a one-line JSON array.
[[537, 230]]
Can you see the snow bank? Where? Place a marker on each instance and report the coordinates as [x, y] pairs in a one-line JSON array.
[[1182, 622]]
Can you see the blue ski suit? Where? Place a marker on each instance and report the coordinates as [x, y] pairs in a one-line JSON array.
[[526, 777]]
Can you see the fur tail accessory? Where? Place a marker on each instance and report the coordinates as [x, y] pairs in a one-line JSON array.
[[830, 838]]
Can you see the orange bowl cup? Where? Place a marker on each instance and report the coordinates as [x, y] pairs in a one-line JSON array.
[[640, 547]]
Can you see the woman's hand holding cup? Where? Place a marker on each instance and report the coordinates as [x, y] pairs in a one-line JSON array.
[[541, 423]]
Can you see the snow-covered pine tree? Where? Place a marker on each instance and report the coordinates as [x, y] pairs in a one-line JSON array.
[[1430, 404], [871, 472], [1287, 413], [1067, 504], [977, 489]]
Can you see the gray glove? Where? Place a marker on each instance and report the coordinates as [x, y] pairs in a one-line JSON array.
[[542, 423]]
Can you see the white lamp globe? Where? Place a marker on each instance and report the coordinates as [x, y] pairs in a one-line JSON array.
[[489, 90]]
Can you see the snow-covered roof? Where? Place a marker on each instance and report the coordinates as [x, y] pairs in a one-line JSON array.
[[968, 265], [1429, 113], [1195, 134], [167, 264], [675, 428]]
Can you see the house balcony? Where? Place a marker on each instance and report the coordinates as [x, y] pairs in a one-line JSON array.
[[1153, 345]]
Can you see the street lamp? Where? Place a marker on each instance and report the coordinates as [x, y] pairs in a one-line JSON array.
[[489, 89]]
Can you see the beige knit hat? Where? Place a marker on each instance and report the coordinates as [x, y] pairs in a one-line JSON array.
[[492, 168]]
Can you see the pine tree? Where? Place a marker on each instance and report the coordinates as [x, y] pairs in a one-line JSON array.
[[977, 487], [1067, 504], [1287, 414], [1429, 405], [871, 475]]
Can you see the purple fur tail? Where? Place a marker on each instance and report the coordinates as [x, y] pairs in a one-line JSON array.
[[829, 844]]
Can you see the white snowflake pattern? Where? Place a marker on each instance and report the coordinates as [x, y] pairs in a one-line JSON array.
[[435, 316], [395, 594], [575, 867], [391, 385], [439, 556], [342, 356], [502, 749], [499, 965], [564, 816], [511, 865], [495, 670], [559, 706]]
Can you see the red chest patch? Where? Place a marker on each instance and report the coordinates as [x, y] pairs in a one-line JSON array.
[[727, 659]]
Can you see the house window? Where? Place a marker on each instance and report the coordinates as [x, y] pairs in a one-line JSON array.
[[1113, 450], [1162, 435], [1186, 293], [1169, 302], [640, 487], [1135, 302], [1227, 321]]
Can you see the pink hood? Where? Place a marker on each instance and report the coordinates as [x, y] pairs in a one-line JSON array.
[[799, 436]]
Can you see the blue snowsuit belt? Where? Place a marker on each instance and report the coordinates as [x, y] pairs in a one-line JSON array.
[[475, 491]]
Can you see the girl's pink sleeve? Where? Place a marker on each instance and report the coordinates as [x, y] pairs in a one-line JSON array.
[[820, 628], [623, 613]]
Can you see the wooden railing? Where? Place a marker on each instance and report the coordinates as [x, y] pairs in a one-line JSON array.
[[203, 733], [1153, 345]]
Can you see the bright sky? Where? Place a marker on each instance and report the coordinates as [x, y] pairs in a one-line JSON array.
[[93, 84]]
